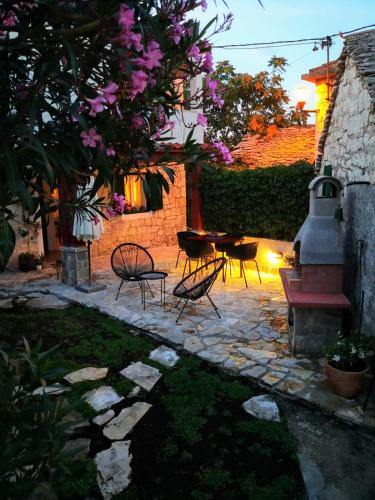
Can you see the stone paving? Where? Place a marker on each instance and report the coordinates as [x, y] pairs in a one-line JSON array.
[[250, 340]]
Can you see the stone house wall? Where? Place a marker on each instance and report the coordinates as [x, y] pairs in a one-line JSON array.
[[350, 149], [350, 143], [149, 229]]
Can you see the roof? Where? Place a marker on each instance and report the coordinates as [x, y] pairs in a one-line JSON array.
[[361, 48], [287, 146], [320, 72]]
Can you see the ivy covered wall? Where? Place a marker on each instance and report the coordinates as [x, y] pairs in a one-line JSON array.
[[265, 202]]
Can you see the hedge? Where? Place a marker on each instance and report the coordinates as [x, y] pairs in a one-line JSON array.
[[265, 202]]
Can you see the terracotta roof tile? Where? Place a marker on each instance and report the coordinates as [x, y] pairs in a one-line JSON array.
[[289, 145]]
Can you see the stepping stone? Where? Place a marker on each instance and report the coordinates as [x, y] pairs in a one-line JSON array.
[[273, 378], [134, 393], [256, 372], [121, 425], [84, 374], [291, 385], [165, 356], [102, 398], [144, 375], [193, 345], [113, 469], [261, 356], [51, 390], [47, 302], [103, 418], [212, 356], [262, 407], [77, 448]]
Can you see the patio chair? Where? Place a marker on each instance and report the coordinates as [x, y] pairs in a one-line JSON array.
[[181, 238], [246, 252], [128, 261], [224, 247], [197, 250], [198, 284]]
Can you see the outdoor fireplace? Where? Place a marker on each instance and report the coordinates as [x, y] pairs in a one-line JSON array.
[[314, 287]]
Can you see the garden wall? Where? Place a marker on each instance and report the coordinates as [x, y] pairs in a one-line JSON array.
[[267, 202], [149, 229]]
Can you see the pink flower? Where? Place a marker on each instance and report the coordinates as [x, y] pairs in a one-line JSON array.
[[130, 39], [137, 121], [212, 86], [222, 152], [126, 17], [118, 205], [91, 138], [96, 220], [96, 104], [194, 53], [138, 84], [203, 5], [208, 62], [8, 21], [110, 151], [150, 58], [177, 31], [202, 120], [109, 92]]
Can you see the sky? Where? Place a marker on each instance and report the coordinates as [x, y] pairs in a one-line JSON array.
[[286, 20]]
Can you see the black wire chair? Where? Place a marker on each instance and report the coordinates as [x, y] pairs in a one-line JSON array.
[[199, 251], [244, 253], [128, 261], [198, 284], [181, 238]]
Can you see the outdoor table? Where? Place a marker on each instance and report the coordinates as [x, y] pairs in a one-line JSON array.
[[215, 238], [153, 276]]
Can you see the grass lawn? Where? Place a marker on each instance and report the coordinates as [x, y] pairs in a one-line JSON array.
[[196, 441]]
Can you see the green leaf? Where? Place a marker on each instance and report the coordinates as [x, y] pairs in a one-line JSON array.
[[7, 243]]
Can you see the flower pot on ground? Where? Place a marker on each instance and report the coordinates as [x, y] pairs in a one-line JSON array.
[[346, 363], [26, 262], [345, 383]]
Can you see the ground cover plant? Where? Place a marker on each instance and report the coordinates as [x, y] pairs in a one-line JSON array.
[[196, 441]]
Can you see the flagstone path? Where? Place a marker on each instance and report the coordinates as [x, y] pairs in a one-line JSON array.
[[250, 340]]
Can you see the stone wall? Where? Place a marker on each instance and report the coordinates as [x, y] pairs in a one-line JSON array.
[[24, 244], [149, 229], [350, 149], [358, 202], [350, 143]]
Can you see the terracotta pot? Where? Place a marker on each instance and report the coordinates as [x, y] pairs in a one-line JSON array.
[[344, 383]]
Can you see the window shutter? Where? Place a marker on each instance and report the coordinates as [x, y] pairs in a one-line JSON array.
[[155, 195]]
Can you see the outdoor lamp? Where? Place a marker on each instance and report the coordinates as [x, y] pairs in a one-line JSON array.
[[302, 93]]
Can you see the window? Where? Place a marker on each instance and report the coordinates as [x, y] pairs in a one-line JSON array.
[[142, 192]]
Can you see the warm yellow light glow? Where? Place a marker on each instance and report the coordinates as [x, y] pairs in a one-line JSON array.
[[275, 258], [301, 95]]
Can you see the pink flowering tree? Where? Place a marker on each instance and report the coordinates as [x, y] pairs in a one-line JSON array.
[[89, 87]]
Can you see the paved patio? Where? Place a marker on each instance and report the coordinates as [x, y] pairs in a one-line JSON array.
[[250, 340]]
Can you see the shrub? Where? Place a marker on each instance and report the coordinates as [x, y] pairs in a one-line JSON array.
[[32, 428], [266, 202]]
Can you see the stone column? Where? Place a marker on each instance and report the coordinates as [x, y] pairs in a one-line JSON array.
[[75, 269]]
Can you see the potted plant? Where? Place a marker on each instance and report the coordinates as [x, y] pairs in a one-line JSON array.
[[26, 262], [39, 260], [346, 363]]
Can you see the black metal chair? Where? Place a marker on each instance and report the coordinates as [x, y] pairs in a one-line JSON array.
[[224, 247], [181, 238], [199, 251], [128, 261], [244, 253], [198, 284]]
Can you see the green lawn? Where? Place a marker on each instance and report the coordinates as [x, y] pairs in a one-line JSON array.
[[196, 441]]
